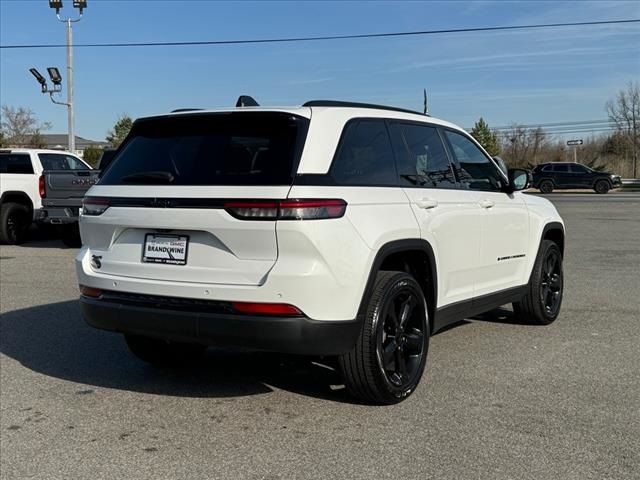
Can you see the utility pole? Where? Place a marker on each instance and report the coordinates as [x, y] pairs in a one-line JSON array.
[[80, 5]]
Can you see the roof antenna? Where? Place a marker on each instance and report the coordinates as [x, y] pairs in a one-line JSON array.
[[426, 107], [246, 101]]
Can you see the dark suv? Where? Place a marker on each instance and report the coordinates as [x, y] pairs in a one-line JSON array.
[[564, 175]]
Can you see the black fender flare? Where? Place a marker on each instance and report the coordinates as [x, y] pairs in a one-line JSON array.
[[398, 246]]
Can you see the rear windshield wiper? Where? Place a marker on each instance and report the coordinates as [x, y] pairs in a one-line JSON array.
[[150, 178]]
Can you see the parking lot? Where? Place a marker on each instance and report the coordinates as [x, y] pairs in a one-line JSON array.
[[499, 399]]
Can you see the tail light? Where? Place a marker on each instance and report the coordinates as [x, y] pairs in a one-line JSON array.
[[93, 206], [282, 309], [42, 187], [294, 209]]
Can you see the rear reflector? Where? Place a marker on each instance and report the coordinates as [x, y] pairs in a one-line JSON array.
[[294, 209], [90, 291], [42, 187], [282, 309], [93, 206]]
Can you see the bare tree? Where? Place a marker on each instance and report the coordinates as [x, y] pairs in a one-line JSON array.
[[624, 111], [20, 126], [522, 146]]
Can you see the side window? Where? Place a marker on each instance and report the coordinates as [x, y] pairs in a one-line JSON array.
[[16, 163], [561, 168], [364, 156], [475, 171], [548, 168], [57, 161], [422, 159], [578, 169]]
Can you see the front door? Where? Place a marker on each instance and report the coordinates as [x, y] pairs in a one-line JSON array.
[[505, 225]]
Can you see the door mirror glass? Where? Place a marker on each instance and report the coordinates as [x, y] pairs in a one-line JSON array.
[[519, 179]]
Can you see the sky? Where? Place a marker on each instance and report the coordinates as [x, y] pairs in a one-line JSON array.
[[525, 76]]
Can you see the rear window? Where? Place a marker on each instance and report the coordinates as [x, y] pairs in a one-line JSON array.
[[15, 163], [239, 148], [58, 161]]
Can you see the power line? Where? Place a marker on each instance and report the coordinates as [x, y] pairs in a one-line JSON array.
[[328, 37], [554, 124]]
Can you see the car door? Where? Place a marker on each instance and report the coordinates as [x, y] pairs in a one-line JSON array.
[[504, 236], [448, 217], [562, 177], [581, 176]]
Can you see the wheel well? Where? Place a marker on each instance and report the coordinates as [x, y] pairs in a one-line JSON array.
[[601, 179], [17, 197], [556, 235], [418, 264]]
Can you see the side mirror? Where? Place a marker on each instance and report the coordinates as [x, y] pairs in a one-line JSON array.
[[519, 179]]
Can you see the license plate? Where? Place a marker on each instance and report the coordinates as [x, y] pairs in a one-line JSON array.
[[170, 249]]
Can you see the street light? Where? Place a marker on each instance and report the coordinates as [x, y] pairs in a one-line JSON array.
[[41, 80], [79, 4], [57, 4], [54, 74]]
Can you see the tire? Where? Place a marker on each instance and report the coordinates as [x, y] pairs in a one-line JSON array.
[[602, 186], [70, 235], [546, 186], [14, 222], [163, 352], [380, 369], [541, 304]]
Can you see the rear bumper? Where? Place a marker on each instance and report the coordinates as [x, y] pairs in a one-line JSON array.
[[298, 335], [57, 215]]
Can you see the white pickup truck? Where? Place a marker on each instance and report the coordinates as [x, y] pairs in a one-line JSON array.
[[23, 187]]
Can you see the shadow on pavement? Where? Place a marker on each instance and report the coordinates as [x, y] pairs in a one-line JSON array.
[[55, 341]]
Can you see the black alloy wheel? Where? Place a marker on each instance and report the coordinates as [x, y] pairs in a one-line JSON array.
[[546, 186], [14, 223], [387, 361], [551, 284], [401, 345], [541, 304], [602, 186]]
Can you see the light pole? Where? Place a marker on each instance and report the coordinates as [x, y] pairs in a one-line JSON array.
[[80, 5]]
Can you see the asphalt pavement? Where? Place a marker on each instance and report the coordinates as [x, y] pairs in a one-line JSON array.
[[499, 400]]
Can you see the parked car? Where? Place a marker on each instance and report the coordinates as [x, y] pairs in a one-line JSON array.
[[564, 175], [334, 229], [23, 188]]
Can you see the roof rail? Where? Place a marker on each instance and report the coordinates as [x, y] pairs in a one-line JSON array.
[[337, 103], [178, 110]]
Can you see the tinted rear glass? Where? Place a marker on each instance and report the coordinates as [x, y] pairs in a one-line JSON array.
[[58, 161], [240, 148], [15, 163]]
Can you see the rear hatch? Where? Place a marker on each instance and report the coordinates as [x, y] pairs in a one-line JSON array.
[[161, 210]]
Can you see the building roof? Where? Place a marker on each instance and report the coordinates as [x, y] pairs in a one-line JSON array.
[[58, 141]]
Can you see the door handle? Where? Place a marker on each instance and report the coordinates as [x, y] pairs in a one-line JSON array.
[[486, 203], [427, 203]]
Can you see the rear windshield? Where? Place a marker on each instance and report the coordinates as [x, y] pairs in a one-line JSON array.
[[60, 161], [239, 148]]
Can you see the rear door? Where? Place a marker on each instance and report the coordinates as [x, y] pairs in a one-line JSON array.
[[449, 218], [167, 189], [562, 177]]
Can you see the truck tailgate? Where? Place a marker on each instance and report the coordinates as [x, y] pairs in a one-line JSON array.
[[67, 187]]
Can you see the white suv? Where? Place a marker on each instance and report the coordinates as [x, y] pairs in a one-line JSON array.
[[333, 229]]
